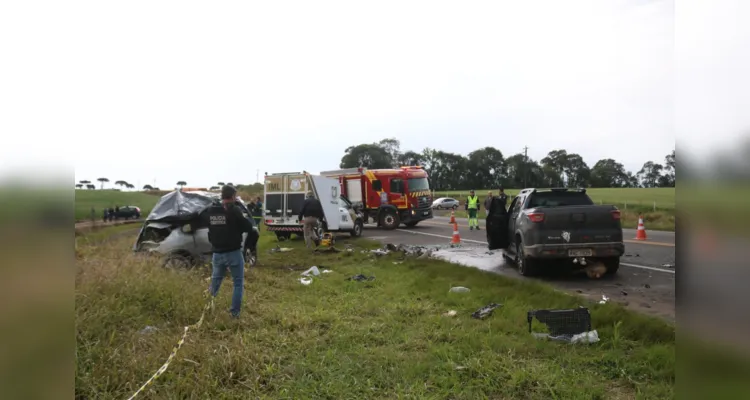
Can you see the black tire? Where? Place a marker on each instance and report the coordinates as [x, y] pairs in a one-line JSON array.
[[178, 261], [455, 207], [389, 220], [282, 236], [411, 224], [612, 264], [250, 258], [358, 227], [526, 266]]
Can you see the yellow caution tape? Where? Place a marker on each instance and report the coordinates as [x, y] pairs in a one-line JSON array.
[[160, 371]]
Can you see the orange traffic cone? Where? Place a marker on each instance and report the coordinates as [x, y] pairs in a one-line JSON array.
[[640, 234], [456, 237], [453, 217]]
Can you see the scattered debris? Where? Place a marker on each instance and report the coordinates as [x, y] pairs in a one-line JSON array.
[[379, 252], [397, 262], [360, 278], [668, 265], [624, 293], [632, 255], [571, 326], [489, 253], [312, 271], [460, 368], [485, 311], [579, 291], [604, 299], [459, 289], [148, 329], [451, 313], [647, 286], [327, 271], [305, 280], [278, 249]]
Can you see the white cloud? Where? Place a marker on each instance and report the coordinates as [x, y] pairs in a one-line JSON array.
[[125, 90]]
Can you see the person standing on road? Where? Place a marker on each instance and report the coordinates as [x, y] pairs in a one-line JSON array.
[[258, 212], [503, 198], [487, 203], [225, 229], [311, 213], [472, 206]]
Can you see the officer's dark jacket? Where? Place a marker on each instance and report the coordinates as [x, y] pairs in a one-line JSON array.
[[311, 208], [225, 227]]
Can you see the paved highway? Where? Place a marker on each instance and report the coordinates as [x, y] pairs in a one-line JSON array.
[[643, 282]]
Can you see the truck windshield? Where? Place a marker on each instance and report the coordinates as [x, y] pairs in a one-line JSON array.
[[418, 184], [559, 199]]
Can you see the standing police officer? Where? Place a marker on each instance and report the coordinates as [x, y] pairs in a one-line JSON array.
[[472, 206], [503, 198], [225, 229]]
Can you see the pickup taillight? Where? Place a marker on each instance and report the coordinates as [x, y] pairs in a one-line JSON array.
[[615, 214], [536, 216]]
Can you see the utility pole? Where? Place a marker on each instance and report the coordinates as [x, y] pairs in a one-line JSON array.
[[257, 175], [525, 164]]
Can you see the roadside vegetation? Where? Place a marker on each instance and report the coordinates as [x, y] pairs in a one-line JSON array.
[[335, 338]]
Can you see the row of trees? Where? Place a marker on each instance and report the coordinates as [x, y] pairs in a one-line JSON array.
[[88, 185], [488, 168]]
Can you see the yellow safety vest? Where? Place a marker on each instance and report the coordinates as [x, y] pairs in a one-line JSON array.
[[473, 201]]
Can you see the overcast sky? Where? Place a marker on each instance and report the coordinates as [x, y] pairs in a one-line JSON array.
[[207, 92]]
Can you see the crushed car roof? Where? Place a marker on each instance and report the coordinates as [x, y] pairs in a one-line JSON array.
[[181, 206]]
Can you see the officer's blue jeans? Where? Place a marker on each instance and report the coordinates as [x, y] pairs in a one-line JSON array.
[[235, 262]]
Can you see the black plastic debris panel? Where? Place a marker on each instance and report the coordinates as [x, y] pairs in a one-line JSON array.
[[563, 324], [485, 311], [360, 278]]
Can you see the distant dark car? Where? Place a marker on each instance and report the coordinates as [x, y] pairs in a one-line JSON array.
[[562, 224], [128, 212]]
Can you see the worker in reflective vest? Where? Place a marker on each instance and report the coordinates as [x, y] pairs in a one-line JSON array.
[[472, 206]]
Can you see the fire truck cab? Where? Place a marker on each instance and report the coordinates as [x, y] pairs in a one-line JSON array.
[[390, 197]]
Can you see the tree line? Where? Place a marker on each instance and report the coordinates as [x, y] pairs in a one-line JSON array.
[[488, 168]]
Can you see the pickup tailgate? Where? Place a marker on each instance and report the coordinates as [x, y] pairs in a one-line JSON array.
[[579, 224]]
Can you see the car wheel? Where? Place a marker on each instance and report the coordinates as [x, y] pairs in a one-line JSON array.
[[526, 266], [357, 231], [177, 261], [250, 258], [455, 206], [612, 264], [282, 236], [389, 220]]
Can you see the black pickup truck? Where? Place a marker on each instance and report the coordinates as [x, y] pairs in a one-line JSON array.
[[562, 224]]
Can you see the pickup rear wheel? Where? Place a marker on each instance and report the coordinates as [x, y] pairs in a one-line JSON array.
[[612, 264], [526, 266]]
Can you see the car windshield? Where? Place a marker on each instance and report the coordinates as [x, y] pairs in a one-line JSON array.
[[418, 184]]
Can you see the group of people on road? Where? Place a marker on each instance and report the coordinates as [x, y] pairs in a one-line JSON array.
[[472, 206], [110, 213]]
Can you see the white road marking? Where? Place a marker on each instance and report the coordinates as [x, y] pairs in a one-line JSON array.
[[669, 271]]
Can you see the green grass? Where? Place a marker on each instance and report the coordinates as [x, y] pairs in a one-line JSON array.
[[101, 199], [338, 339]]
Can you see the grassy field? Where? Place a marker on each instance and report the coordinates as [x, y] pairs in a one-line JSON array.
[[633, 203], [337, 339], [101, 199]]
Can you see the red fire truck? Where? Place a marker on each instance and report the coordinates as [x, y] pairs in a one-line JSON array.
[[389, 197]]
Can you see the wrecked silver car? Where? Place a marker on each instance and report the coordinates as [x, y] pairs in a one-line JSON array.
[[177, 229]]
